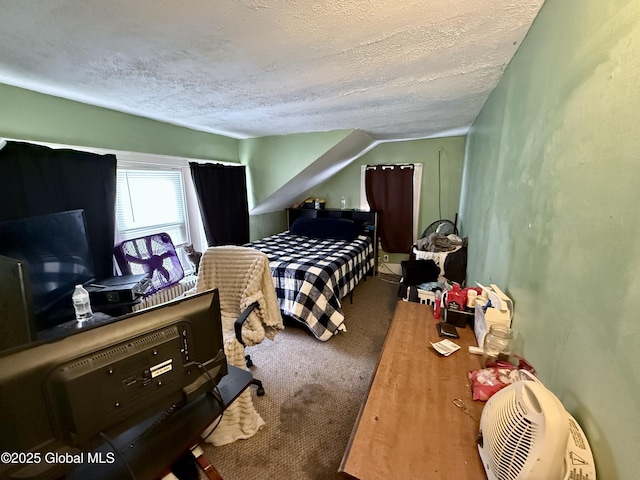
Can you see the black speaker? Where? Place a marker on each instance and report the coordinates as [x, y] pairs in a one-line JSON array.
[[17, 323]]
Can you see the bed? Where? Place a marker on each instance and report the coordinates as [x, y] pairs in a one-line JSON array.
[[317, 262]]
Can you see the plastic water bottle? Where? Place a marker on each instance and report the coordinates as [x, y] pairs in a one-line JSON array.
[[81, 304], [343, 203]]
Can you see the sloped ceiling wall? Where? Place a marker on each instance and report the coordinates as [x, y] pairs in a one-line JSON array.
[[283, 169]]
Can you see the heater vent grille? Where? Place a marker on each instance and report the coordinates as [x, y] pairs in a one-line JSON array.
[[526, 434], [511, 435]]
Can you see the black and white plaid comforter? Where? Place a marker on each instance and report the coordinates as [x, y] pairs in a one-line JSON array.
[[312, 275]]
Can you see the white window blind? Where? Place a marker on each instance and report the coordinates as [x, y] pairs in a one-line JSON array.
[[151, 201]]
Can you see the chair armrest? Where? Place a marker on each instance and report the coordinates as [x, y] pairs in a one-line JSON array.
[[237, 325]]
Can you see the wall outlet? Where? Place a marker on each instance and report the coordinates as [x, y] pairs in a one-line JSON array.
[[385, 258]]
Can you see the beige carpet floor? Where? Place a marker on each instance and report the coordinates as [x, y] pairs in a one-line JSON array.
[[314, 391]]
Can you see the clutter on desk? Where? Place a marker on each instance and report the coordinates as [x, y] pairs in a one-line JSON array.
[[488, 310], [488, 381], [437, 305], [448, 299], [455, 303], [445, 347], [493, 378], [459, 318], [447, 330], [492, 307], [456, 299], [458, 402], [497, 345]]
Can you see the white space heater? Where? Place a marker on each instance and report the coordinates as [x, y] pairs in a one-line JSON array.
[[526, 434]]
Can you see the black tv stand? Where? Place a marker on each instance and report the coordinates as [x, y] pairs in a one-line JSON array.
[[148, 456], [73, 326]]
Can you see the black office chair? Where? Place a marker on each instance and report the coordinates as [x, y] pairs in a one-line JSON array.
[[237, 327], [248, 301]]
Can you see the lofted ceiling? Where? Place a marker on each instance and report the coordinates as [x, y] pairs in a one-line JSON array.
[[249, 68]]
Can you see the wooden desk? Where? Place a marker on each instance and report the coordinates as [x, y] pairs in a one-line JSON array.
[[409, 428]]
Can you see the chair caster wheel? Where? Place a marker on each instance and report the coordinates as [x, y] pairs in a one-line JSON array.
[[248, 361], [260, 391]]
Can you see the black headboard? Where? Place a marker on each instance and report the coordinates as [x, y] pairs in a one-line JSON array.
[[368, 221]]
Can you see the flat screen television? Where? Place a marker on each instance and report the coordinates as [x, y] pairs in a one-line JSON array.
[[69, 394], [56, 251]]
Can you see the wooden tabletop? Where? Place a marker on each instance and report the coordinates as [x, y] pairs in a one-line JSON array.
[[409, 427]]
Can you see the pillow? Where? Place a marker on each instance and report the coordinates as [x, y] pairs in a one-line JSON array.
[[334, 228], [415, 272]]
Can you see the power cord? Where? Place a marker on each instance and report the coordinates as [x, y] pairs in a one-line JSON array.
[[395, 278], [389, 271], [215, 391], [214, 386]]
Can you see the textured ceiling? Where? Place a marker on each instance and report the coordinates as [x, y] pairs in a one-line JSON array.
[[247, 68]]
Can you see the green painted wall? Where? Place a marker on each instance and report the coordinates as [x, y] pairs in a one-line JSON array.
[[267, 224], [273, 161], [451, 152], [28, 115], [550, 200]]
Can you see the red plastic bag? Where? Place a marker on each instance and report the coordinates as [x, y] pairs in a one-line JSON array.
[[488, 381], [495, 377]]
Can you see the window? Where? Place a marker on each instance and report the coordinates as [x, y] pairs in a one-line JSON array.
[[154, 193], [151, 201]]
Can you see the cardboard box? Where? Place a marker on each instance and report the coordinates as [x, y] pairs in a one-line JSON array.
[[501, 312]]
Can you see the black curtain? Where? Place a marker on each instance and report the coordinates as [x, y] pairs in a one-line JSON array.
[[222, 196], [389, 190], [37, 180]]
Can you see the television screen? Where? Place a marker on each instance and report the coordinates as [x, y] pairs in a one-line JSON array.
[[56, 251], [69, 394]]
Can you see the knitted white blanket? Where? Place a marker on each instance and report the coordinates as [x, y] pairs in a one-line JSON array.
[[242, 276]]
